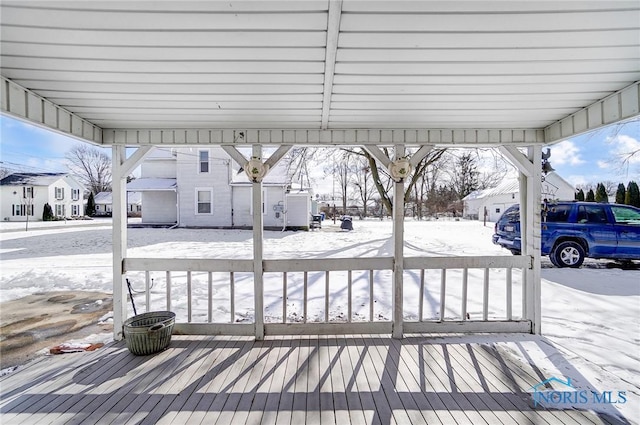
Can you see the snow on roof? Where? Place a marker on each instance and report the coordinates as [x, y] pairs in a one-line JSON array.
[[151, 183], [32, 179], [511, 185], [107, 198], [476, 194]]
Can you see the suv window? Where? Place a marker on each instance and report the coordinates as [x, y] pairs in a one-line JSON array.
[[625, 215], [558, 213], [592, 214]]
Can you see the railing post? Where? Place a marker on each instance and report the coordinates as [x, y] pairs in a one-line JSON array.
[[258, 270], [398, 251]]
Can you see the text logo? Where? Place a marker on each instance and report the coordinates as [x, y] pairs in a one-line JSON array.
[[557, 392]]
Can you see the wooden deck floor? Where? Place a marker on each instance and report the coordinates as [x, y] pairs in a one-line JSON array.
[[316, 380]]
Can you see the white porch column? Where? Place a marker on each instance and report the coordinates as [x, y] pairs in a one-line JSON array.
[[398, 251], [527, 290], [119, 238], [530, 231], [258, 235], [533, 239]]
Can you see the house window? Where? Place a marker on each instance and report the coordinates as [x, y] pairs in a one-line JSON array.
[[27, 192], [204, 198], [59, 193], [497, 210], [20, 210], [203, 160], [75, 210], [60, 210], [75, 194]]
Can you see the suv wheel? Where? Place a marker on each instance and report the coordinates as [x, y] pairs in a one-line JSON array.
[[568, 254], [552, 257]]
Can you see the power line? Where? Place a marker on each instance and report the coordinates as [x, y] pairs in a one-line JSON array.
[[27, 168]]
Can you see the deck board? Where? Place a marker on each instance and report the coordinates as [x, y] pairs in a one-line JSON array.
[[326, 380]]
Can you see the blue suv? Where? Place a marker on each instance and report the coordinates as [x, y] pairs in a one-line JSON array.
[[572, 231]]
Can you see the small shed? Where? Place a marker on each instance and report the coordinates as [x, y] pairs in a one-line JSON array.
[[298, 209]]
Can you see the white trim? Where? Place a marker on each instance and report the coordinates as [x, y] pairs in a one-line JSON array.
[[197, 191], [200, 162]]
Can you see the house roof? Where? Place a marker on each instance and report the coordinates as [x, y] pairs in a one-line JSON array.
[[151, 184], [31, 179], [511, 185], [107, 198], [171, 73]]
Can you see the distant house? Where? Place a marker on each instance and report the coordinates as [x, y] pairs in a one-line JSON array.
[[24, 195], [203, 187], [496, 200], [104, 201]]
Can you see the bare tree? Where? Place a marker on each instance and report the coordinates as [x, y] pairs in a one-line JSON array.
[[93, 167], [610, 187], [464, 175], [382, 180], [362, 182], [342, 168], [4, 172], [26, 204]]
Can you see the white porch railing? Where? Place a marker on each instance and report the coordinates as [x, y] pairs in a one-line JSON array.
[[336, 296]]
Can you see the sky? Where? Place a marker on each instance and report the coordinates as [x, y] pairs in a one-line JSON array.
[[590, 158]]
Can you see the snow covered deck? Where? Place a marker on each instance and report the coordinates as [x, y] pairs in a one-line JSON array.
[[320, 380]]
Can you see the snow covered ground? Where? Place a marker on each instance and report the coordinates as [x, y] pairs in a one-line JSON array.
[[591, 315]]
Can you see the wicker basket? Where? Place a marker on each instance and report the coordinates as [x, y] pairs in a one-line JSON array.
[[149, 333]]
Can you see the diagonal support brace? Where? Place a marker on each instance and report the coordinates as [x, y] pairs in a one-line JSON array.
[[517, 158]]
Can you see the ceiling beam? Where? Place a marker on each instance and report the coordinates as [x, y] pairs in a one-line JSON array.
[[331, 51], [315, 137], [619, 106], [22, 103]]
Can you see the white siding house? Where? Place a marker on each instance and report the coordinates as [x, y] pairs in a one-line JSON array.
[[157, 187], [24, 195], [496, 200], [203, 187], [204, 191]]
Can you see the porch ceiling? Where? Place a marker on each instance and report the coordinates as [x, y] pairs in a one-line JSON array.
[[551, 68]]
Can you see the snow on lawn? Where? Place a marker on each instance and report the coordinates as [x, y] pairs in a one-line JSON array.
[[591, 315]]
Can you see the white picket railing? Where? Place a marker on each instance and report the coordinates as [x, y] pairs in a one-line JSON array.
[[302, 282]]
